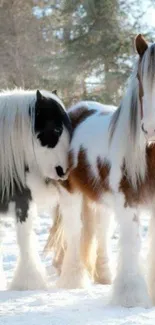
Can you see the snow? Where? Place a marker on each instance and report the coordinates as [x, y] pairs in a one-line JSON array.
[[62, 307]]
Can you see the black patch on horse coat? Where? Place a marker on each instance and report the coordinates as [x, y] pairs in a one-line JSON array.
[[21, 198], [22, 201], [49, 121], [4, 206]]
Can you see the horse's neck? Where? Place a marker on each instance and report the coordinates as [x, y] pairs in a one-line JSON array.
[[120, 138]]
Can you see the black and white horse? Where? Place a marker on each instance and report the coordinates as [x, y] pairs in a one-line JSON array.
[[35, 133]]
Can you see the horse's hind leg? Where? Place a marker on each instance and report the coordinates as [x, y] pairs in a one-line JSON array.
[[30, 273], [73, 273], [103, 220]]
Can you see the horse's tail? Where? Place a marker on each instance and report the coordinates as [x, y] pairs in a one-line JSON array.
[[88, 238], [56, 242]]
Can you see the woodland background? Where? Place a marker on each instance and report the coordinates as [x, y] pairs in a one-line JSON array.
[[82, 48]]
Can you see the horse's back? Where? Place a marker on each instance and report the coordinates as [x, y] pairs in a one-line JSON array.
[[92, 105], [91, 122]]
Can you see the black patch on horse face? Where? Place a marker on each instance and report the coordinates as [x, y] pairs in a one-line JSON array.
[[50, 117]]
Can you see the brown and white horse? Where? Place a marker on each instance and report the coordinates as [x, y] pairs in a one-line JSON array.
[[113, 166]]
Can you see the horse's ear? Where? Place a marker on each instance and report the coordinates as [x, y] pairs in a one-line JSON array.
[[55, 92], [140, 44], [39, 96]]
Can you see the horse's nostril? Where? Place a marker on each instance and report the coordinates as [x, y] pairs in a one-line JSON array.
[[59, 171]]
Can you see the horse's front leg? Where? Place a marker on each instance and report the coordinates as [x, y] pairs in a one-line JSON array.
[[130, 289], [30, 273], [73, 273]]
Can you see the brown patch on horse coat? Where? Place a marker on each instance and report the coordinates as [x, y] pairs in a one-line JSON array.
[[79, 115], [145, 189], [82, 177], [103, 169]]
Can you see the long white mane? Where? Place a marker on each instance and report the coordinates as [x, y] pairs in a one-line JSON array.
[[126, 137], [16, 136]]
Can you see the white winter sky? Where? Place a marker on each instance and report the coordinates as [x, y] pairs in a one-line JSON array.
[[149, 17], [149, 14]]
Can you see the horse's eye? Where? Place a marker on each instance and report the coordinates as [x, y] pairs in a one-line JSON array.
[[57, 130]]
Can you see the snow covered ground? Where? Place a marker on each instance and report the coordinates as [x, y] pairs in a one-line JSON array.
[[61, 307]]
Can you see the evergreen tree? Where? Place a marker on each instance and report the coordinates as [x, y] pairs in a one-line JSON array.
[[82, 48]]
